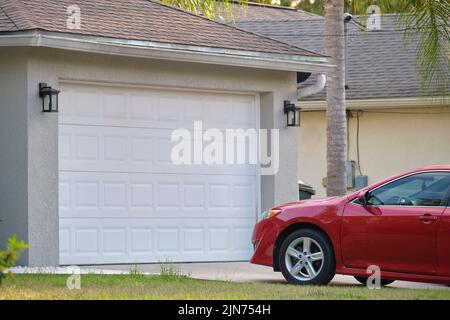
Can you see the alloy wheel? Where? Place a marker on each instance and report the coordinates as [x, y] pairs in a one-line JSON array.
[[304, 258]]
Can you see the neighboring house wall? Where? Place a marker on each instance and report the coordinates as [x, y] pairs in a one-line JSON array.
[[39, 195], [390, 141]]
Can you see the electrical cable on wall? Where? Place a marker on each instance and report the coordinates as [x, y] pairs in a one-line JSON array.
[[358, 160], [349, 114]]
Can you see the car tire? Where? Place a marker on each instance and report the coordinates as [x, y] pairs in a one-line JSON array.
[[323, 270], [383, 282]]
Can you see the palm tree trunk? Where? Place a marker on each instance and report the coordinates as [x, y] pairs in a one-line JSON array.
[[336, 118]]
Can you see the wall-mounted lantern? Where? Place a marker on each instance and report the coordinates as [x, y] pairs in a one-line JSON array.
[[49, 98], [292, 114]]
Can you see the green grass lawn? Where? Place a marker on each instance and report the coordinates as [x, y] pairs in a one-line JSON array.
[[138, 286]]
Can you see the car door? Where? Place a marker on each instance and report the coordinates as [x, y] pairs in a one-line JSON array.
[[397, 228], [443, 243]]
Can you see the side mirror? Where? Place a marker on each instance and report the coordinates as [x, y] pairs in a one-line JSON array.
[[363, 196]]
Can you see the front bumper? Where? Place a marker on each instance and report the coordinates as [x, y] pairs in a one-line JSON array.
[[265, 234]]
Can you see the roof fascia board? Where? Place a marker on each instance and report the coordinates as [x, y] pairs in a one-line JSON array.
[[382, 103], [167, 51]]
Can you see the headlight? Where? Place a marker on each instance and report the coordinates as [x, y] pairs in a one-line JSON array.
[[268, 214]]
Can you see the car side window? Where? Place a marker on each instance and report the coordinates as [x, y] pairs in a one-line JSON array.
[[422, 189]]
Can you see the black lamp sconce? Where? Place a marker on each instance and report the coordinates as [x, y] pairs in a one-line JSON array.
[[49, 98], [292, 114]]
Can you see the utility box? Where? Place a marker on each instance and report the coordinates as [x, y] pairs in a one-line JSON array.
[[361, 182], [350, 166]]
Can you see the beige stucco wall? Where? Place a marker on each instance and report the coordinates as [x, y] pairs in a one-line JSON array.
[[391, 141]]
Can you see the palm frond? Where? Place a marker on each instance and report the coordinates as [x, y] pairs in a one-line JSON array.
[[427, 22], [209, 8]]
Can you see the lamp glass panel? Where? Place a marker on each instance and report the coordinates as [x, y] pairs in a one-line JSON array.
[[297, 117], [46, 103], [291, 117], [55, 103]]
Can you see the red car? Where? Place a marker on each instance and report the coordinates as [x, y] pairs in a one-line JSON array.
[[401, 225]]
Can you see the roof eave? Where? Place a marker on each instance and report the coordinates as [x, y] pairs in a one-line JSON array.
[[167, 51], [380, 103]]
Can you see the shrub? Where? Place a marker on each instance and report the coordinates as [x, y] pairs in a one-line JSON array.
[[9, 256]]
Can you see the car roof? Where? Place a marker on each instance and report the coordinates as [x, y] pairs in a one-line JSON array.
[[436, 167]]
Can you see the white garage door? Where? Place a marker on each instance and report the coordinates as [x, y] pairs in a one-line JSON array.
[[122, 200]]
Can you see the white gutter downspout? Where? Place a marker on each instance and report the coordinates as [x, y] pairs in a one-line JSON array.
[[321, 81]]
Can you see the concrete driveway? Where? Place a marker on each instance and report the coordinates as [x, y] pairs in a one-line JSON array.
[[242, 272]]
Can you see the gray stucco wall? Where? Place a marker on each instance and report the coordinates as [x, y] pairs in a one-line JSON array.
[[53, 66], [43, 221], [13, 148]]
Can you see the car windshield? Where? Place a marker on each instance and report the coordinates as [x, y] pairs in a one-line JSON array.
[[424, 189]]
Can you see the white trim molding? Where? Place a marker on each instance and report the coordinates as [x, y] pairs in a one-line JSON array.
[[167, 51], [381, 103]]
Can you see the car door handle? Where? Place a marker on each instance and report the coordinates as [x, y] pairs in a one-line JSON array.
[[427, 218]]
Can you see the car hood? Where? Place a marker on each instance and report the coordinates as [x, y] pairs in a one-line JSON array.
[[311, 202]]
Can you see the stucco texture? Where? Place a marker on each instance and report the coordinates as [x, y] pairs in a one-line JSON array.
[[31, 166]]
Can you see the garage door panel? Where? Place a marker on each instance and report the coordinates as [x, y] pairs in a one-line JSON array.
[[153, 240], [105, 194], [153, 108], [116, 149], [122, 200]]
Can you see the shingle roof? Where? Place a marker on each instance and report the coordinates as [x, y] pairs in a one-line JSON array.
[[136, 20], [379, 66], [6, 23]]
